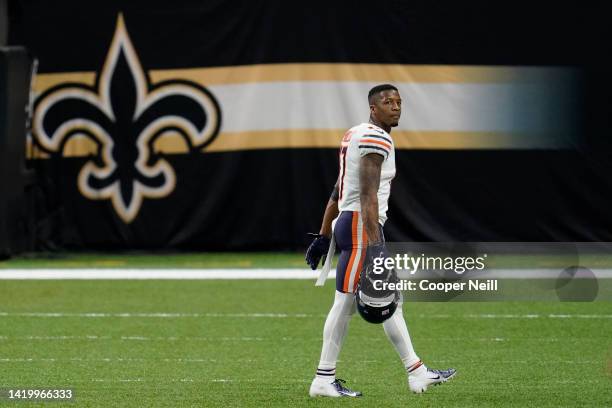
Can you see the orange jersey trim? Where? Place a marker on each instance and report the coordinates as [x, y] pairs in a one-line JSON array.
[[388, 146]]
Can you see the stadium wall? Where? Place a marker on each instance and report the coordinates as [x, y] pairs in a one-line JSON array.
[[214, 126], [16, 215]]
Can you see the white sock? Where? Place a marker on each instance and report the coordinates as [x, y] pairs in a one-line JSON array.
[[334, 332], [397, 332]]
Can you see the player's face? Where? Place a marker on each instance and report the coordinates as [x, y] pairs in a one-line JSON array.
[[388, 108]]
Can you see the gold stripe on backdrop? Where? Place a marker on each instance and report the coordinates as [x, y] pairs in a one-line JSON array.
[[396, 73], [339, 72], [173, 143], [330, 138], [42, 82]]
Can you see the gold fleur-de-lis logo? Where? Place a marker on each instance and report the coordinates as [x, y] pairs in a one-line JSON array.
[[123, 114]]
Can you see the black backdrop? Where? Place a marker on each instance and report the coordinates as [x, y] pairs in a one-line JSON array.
[[268, 199]]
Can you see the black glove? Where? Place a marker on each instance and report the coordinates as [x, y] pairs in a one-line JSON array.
[[318, 248]]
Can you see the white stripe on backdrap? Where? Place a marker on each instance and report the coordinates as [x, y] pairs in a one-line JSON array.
[[458, 107]]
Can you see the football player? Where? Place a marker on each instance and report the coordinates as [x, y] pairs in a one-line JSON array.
[[355, 214]]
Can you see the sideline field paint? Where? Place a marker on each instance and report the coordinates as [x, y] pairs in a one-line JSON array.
[[202, 274]]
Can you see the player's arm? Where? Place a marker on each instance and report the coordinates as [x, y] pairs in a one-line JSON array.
[[331, 212], [369, 179]]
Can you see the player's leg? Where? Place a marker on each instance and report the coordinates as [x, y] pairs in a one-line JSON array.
[[334, 332], [336, 323], [397, 332], [419, 376]]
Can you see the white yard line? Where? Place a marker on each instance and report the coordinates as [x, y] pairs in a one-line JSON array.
[[292, 315], [276, 274], [43, 274], [215, 361], [91, 337], [159, 315]]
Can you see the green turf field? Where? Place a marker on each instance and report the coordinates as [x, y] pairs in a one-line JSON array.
[[160, 260], [256, 343]]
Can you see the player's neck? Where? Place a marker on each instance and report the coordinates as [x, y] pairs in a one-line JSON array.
[[386, 128]]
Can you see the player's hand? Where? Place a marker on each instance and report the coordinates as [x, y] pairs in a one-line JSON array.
[[318, 249], [375, 268], [375, 251]]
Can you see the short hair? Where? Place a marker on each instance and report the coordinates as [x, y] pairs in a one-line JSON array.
[[379, 88]]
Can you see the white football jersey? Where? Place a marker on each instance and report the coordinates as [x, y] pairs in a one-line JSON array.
[[358, 141]]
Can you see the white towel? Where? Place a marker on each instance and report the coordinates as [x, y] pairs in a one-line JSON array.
[[328, 260]]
